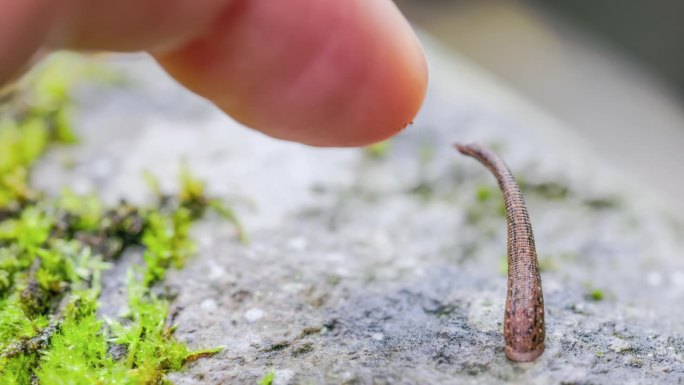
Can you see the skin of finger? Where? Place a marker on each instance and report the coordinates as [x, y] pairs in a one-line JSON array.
[[24, 25], [132, 25], [320, 72]]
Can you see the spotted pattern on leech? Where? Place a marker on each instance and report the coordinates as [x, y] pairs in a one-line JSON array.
[[524, 330]]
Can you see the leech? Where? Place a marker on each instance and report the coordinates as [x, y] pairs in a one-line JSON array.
[[524, 316]]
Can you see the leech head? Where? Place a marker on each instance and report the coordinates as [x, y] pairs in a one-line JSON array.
[[465, 149], [524, 329]]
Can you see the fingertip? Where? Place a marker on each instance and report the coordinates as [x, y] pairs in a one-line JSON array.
[[323, 73], [24, 26]]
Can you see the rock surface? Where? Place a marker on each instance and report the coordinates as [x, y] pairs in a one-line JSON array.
[[388, 267]]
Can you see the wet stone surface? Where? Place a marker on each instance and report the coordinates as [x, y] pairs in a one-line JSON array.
[[389, 268]]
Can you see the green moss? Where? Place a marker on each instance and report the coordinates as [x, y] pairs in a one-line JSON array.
[[85, 210], [596, 295], [547, 263], [486, 206], [484, 193], [423, 190], [150, 348], [268, 378], [78, 355], [593, 293], [53, 252], [426, 153], [167, 243], [35, 114], [378, 150], [547, 190], [503, 264], [603, 203], [13, 372]]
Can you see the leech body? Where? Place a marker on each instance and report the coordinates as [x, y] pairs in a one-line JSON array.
[[524, 330]]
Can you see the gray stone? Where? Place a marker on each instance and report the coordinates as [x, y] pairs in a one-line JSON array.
[[389, 271]]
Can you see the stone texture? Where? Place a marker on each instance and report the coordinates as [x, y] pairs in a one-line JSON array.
[[389, 270]]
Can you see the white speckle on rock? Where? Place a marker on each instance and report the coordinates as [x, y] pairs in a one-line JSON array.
[[82, 186], [298, 244], [240, 345], [102, 167], [378, 336], [619, 346], [205, 240], [654, 278], [552, 286], [216, 272], [342, 272], [407, 263], [208, 304], [254, 314], [336, 257], [484, 313], [347, 376], [283, 377], [678, 278], [293, 287]]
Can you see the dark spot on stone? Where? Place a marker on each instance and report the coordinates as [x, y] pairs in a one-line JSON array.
[[309, 330], [331, 325], [580, 383], [475, 368], [302, 349], [441, 309], [240, 295], [117, 352], [278, 346]]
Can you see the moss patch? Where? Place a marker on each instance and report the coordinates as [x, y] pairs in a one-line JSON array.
[[53, 251]]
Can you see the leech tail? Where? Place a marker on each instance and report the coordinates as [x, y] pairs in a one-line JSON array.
[[524, 329]]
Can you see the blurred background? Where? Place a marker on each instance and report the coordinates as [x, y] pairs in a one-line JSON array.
[[612, 70]]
